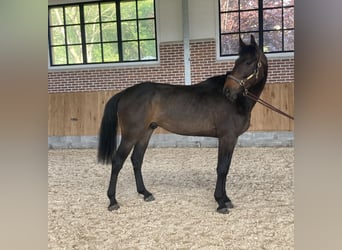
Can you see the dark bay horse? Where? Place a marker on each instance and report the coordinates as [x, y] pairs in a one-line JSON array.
[[216, 107]]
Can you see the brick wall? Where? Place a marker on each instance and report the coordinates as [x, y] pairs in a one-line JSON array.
[[170, 70], [204, 63]]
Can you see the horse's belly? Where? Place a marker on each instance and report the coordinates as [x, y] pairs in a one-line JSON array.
[[188, 127]]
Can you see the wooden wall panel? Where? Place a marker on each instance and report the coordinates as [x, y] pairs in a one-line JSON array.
[[76, 113], [56, 115], [282, 97], [81, 113]]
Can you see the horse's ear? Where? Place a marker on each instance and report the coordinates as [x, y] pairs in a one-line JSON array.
[[241, 43], [253, 42]]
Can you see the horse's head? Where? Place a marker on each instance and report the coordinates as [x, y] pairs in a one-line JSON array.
[[249, 69]]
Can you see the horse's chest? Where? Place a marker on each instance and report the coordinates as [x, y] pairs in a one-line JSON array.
[[236, 125], [246, 125], [243, 124]]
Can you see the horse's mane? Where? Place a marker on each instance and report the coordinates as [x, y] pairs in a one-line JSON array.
[[214, 85], [211, 85]]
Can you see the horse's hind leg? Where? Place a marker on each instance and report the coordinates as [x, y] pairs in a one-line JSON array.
[[137, 160], [117, 163]]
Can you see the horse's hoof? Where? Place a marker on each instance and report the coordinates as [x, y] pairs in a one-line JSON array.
[[149, 198], [113, 207], [223, 210], [229, 204]]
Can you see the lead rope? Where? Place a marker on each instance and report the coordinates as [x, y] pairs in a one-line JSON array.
[[257, 99]]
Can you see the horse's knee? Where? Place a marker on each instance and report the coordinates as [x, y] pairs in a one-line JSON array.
[[222, 171]]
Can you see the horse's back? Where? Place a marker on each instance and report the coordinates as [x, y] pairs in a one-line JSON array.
[[137, 96], [160, 96], [187, 110], [211, 85]]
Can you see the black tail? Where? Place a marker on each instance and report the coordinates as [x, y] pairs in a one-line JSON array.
[[108, 131]]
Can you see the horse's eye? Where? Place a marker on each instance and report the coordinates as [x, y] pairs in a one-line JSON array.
[[249, 62]]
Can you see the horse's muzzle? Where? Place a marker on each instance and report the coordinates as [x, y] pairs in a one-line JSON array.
[[230, 94]]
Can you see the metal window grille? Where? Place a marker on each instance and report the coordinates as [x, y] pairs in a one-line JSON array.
[[102, 32], [270, 21]]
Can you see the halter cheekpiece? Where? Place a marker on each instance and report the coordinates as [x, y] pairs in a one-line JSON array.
[[243, 81]]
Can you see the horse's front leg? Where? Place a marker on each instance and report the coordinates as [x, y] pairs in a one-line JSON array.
[[225, 153]]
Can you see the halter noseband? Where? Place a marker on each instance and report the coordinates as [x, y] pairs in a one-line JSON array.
[[243, 81]]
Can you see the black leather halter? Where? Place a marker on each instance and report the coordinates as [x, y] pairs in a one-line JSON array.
[[242, 82]]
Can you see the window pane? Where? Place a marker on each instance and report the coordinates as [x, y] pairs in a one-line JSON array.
[[148, 50], [272, 19], [58, 55], [57, 36], [73, 34], [129, 30], [249, 21], [109, 32], [108, 12], [288, 18], [230, 22], [128, 10], [230, 44], [110, 52], [272, 3], [56, 16], [289, 40], [97, 36], [146, 29], [241, 19], [229, 5], [94, 53], [72, 15], [92, 33], [272, 41], [288, 2], [75, 54], [130, 51], [248, 4], [145, 9], [91, 13]]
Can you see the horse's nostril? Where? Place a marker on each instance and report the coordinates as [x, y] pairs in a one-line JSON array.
[[226, 92]]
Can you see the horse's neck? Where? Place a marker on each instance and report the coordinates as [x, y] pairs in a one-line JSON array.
[[256, 90]]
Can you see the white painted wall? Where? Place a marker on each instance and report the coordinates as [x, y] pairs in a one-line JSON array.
[[202, 18], [170, 21]]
